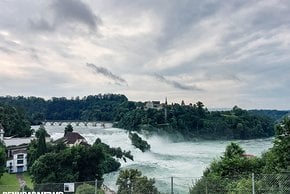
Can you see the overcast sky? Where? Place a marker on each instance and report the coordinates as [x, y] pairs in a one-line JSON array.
[[223, 53]]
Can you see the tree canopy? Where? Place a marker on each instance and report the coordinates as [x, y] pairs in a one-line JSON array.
[[101, 107], [14, 122], [132, 181], [2, 159], [195, 121], [233, 170]]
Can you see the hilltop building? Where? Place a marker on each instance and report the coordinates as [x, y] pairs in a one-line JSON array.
[[155, 105]]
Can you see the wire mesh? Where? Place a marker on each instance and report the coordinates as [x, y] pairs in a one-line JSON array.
[[242, 184]]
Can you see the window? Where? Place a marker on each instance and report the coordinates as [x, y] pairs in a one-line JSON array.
[[20, 161], [20, 156]]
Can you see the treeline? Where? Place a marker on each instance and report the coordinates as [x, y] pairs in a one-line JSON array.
[[14, 122], [231, 173], [191, 121], [94, 107], [197, 122], [276, 115]]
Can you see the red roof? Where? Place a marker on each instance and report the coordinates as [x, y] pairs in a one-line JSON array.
[[71, 138]]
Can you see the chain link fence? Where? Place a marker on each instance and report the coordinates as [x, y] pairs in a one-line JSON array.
[[243, 184], [88, 187]]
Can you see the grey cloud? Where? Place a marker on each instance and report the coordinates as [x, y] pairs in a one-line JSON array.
[[66, 11], [6, 50], [75, 10], [42, 25], [176, 84], [106, 73]]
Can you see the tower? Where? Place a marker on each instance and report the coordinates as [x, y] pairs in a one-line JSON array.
[[165, 110]]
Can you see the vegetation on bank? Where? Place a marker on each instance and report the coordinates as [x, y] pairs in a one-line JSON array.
[[197, 122], [232, 171], [14, 122], [191, 121], [94, 107], [138, 142], [132, 181], [55, 162], [2, 159], [276, 115]]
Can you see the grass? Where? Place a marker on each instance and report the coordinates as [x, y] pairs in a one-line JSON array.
[[9, 182], [28, 180]]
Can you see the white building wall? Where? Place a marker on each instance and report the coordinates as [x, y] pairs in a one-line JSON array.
[[18, 163]]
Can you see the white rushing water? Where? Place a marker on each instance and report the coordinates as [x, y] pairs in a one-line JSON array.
[[185, 161]]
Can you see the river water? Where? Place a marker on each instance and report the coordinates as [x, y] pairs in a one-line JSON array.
[[184, 161]]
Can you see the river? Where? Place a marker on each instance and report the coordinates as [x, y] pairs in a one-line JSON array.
[[184, 161]]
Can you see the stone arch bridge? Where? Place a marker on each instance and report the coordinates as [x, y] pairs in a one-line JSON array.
[[103, 124]]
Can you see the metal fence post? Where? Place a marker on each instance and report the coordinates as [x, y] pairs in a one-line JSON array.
[[96, 186], [172, 185], [253, 183], [206, 189]]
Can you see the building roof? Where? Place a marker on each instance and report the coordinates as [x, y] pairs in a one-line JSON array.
[[20, 151], [17, 141], [71, 138]]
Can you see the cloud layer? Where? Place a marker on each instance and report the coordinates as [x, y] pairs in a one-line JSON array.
[[223, 53], [105, 72]]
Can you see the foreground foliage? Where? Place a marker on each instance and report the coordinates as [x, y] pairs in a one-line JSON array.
[[233, 170], [132, 181], [2, 159], [58, 163]]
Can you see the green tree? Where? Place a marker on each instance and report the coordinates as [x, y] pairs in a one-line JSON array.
[[232, 150], [41, 142], [79, 163], [14, 122], [229, 171], [138, 142], [278, 158], [131, 181], [2, 159], [85, 189], [68, 128]]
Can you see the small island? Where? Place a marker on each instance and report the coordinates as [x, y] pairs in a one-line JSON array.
[[138, 142]]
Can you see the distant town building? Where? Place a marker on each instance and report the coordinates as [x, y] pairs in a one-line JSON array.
[[72, 138]]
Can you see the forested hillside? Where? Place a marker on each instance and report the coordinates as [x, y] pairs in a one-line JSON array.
[[276, 115], [93, 107], [191, 121], [197, 122], [14, 122]]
